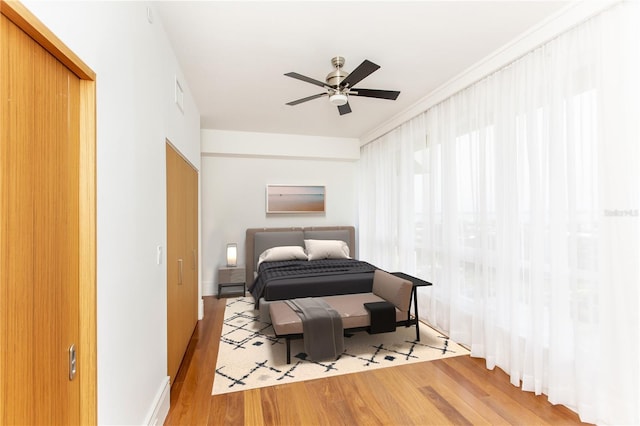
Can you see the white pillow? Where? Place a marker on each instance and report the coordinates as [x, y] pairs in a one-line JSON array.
[[282, 253], [326, 249]]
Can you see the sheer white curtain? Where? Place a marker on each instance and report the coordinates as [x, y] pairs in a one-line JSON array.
[[519, 198], [387, 202]]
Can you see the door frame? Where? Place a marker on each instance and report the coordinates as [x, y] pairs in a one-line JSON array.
[[87, 346]]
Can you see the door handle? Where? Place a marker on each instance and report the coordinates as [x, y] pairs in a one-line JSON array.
[[179, 271], [72, 362]]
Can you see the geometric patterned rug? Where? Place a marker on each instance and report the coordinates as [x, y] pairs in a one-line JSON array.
[[250, 356]]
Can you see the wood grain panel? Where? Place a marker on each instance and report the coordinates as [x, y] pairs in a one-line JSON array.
[[42, 221], [253, 413], [55, 252], [182, 257], [46, 204], [328, 393], [17, 274], [468, 403], [173, 184], [17, 13], [87, 353]]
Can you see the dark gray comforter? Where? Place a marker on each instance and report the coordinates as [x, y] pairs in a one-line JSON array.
[[301, 278]]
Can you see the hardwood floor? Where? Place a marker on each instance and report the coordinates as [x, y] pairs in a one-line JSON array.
[[456, 391]]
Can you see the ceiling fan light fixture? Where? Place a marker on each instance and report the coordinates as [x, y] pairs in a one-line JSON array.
[[338, 99], [340, 84]]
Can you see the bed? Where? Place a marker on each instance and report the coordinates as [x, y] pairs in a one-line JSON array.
[[277, 279]]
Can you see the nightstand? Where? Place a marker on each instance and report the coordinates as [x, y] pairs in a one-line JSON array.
[[231, 281]]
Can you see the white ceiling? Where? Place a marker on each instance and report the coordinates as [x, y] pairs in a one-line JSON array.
[[234, 55]]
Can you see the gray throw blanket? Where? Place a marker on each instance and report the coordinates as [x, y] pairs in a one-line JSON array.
[[321, 326]]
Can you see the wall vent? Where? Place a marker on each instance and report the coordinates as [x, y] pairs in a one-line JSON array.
[[179, 96]]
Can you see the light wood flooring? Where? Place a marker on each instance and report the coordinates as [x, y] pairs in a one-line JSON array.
[[454, 391]]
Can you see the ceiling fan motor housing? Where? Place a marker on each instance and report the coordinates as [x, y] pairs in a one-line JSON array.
[[335, 77]]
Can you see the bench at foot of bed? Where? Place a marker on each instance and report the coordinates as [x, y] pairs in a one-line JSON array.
[[354, 314]]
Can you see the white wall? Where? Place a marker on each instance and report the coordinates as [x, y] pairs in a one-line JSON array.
[[237, 166], [136, 70]]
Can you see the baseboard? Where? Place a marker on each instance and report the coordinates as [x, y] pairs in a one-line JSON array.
[[161, 403], [208, 288]]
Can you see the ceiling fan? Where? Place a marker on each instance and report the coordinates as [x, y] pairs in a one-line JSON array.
[[340, 85]]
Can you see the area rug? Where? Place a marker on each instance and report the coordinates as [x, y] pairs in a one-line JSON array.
[[250, 356]]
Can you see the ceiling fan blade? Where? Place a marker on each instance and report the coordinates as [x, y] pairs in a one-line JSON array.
[[363, 70], [373, 93], [344, 109], [308, 98], [305, 78]]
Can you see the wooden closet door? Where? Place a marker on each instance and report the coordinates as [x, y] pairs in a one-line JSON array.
[[182, 255], [39, 233], [191, 245]]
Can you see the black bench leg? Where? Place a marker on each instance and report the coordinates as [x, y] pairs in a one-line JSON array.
[[288, 350], [415, 310]]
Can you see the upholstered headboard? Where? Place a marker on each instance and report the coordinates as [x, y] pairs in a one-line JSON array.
[[260, 239]]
